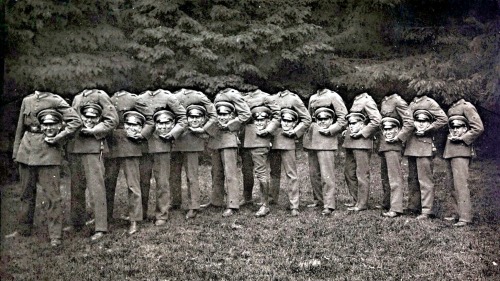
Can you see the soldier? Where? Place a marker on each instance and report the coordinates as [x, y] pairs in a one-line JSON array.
[[135, 126], [232, 113], [257, 140], [200, 115], [321, 142], [86, 150], [364, 119], [428, 118], [465, 126], [38, 149], [155, 159], [295, 119], [396, 126]]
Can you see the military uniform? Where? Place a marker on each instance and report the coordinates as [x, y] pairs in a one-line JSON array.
[[224, 143], [126, 153], [155, 159], [187, 148], [458, 153], [419, 150], [86, 160], [40, 161], [283, 148], [393, 106], [358, 150], [321, 144]]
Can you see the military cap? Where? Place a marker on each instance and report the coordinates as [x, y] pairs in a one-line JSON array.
[[163, 116], [196, 110], [224, 107], [422, 115], [457, 121], [49, 116], [289, 115], [260, 112], [355, 117], [389, 123], [323, 113], [134, 117], [91, 110]]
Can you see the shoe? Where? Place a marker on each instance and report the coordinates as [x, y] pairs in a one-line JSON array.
[[461, 224], [313, 205], [228, 212], [450, 218], [349, 204], [245, 202], [326, 212], [55, 242], [12, 235], [89, 222], [160, 222], [262, 212], [133, 228], [390, 214], [191, 214], [203, 206], [295, 213], [356, 209], [98, 235], [380, 207], [423, 217]]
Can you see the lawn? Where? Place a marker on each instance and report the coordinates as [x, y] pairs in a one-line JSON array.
[[344, 246]]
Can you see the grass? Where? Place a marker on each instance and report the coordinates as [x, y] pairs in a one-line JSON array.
[[344, 246]]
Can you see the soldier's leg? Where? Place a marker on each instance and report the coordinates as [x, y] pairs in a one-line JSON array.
[[145, 171], [94, 173], [315, 177], [275, 174], [386, 186], [131, 171], [229, 162], [28, 177], [289, 162], [326, 160], [161, 170], [414, 201], [362, 157], [247, 167], [426, 182], [193, 182], [395, 180], [217, 178], [112, 168], [259, 160], [78, 211], [350, 174], [460, 168], [176, 160], [49, 180]]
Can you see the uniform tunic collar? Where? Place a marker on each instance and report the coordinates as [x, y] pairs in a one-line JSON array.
[[40, 95], [417, 98], [361, 96], [391, 96]]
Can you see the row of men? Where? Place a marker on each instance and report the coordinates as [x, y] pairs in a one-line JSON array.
[[143, 134]]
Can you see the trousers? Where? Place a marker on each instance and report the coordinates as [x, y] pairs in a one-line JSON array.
[[322, 175], [357, 175], [392, 181], [224, 177], [420, 184], [190, 161], [287, 160], [457, 173]]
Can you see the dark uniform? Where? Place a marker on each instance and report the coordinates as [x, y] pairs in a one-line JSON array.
[[321, 142], [283, 148], [224, 145], [358, 147], [86, 160], [188, 146], [420, 149], [393, 106], [465, 126], [40, 158], [155, 159], [126, 152]]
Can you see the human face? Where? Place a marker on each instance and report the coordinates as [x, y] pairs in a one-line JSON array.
[[324, 123], [390, 133], [89, 122], [223, 118], [51, 130], [163, 128], [261, 124], [196, 121], [356, 126], [132, 129], [458, 131], [421, 125], [287, 125]]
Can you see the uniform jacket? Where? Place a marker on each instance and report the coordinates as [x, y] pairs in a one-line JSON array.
[[160, 100], [260, 98], [188, 141], [364, 103], [109, 120], [287, 99], [30, 147], [464, 148], [396, 107], [313, 140], [422, 146], [120, 144], [220, 139]]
